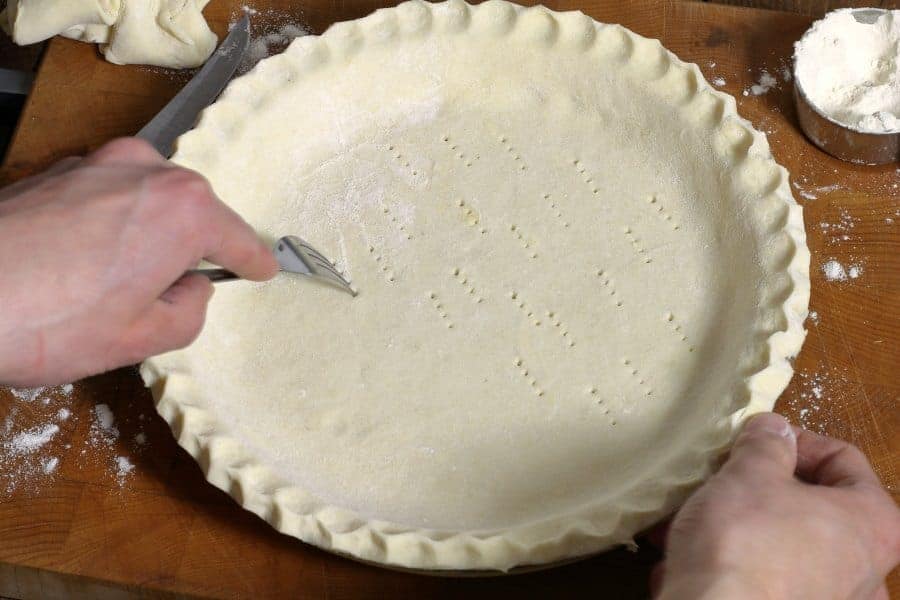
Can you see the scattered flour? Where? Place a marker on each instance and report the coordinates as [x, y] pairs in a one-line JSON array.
[[817, 391], [123, 468], [839, 230], [273, 31], [765, 83], [103, 428], [28, 437], [814, 317], [32, 439], [42, 393], [786, 73], [719, 81], [851, 70], [813, 192], [835, 271], [266, 45], [28, 395], [33, 444]]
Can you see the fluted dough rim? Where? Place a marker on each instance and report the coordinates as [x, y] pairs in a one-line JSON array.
[[296, 512]]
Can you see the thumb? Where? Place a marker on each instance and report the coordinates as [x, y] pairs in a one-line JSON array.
[[766, 447]]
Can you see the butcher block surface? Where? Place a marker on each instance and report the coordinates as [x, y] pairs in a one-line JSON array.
[[159, 530]]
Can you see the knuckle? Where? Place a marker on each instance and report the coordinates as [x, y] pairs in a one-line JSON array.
[[192, 187], [847, 450], [856, 454], [187, 191]]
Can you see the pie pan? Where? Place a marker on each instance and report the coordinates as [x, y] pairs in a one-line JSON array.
[[579, 271]]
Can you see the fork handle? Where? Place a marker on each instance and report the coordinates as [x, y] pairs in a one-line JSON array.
[[215, 275]]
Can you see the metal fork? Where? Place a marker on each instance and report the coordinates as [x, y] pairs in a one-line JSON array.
[[294, 256]]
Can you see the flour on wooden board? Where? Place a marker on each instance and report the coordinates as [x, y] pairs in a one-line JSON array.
[[835, 271], [765, 83], [273, 31], [123, 468], [818, 390], [35, 440], [767, 80], [840, 230], [813, 192], [28, 446]]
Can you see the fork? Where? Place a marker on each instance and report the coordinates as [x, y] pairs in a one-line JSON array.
[[294, 256]]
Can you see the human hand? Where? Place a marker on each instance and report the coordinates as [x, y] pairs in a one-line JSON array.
[[92, 258], [790, 515]]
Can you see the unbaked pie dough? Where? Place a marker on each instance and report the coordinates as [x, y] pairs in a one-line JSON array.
[[579, 271], [165, 33]]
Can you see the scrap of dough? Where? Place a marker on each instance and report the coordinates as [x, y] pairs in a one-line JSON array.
[[164, 33], [31, 21], [167, 33], [94, 33]]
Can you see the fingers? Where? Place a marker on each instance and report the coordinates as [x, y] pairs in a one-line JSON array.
[[224, 238], [831, 462], [766, 447], [173, 321], [238, 248], [125, 151]]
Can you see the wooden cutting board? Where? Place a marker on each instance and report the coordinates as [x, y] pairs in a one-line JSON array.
[[161, 530]]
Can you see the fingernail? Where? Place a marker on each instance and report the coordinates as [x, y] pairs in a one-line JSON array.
[[772, 423]]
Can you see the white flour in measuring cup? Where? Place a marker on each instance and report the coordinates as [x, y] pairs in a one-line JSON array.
[[851, 71]]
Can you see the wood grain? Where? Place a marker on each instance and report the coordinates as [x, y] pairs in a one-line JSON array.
[[166, 533], [815, 8]]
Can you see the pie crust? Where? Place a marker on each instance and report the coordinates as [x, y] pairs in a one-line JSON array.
[[579, 270]]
